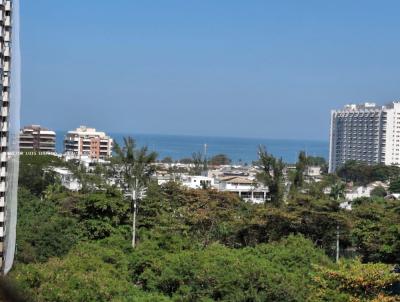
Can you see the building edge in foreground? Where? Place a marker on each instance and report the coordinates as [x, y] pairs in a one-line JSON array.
[[9, 129]]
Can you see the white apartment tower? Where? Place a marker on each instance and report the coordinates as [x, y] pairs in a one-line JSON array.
[[9, 128], [366, 133]]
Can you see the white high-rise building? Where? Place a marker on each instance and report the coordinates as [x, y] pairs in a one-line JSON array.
[[366, 133]]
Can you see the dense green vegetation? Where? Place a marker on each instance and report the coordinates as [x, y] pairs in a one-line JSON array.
[[363, 174], [271, 175], [219, 159], [202, 245], [34, 174]]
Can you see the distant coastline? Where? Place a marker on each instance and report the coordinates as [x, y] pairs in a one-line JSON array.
[[240, 150]]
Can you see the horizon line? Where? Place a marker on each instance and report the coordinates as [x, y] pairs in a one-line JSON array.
[[205, 136]]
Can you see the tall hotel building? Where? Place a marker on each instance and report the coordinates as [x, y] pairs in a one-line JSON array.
[[9, 128], [366, 133]]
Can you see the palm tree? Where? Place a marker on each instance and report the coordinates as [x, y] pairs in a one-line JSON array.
[[199, 163], [135, 166], [301, 166], [338, 191]]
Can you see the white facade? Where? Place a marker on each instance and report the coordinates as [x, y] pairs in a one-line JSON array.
[[364, 191], [246, 188], [5, 34], [198, 182], [358, 192], [67, 178], [391, 139], [313, 171], [366, 133], [163, 179], [86, 141]]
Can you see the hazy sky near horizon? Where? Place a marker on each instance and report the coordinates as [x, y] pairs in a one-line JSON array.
[[257, 68]]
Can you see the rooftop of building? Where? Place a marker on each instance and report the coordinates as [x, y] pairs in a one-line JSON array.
[[369, 106], [36, 128], [236, 180], [87, 131]]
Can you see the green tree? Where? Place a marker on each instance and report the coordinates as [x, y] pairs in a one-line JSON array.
[[206, 215], [219, 160], [89, 181], [186, 160], [338, 191], [272, 272], [316, 161], [35, 172], [354, 281], [359, 173], [201, 245], [316, 220], [378, 192], [167, 160], [395, 186], [101, 213], [301, 167], [362, 174], [43, 231], [271, 175], [90, 272], [199, 163], [376, 231], [136, 172]]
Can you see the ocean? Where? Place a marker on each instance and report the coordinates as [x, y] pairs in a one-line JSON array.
[[240, 150]]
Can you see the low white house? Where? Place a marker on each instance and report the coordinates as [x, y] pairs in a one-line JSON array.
[[198, 182], [87, 162], [246, 188], [313, 171], [165, 178], [364, 191], [67, 178], [358, 192]]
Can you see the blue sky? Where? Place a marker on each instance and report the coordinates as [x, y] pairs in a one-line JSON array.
[[256, 68]]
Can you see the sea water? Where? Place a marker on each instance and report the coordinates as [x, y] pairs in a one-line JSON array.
[[240, 150]]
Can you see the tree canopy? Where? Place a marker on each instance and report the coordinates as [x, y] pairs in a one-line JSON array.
[[204, 245], [362, 174], [220, 160]]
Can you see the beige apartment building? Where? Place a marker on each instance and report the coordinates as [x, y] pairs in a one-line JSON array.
[[88, 142], [37, 139]]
